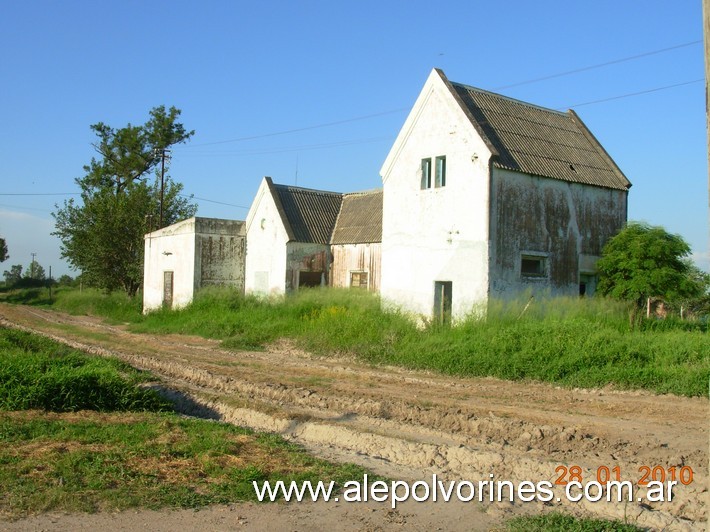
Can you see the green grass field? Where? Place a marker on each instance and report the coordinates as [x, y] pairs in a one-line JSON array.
[[77, 433], [573, 342]]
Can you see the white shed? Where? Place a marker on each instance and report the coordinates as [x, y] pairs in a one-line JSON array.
[[183, 257]]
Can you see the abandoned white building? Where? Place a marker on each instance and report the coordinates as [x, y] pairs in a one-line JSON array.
[[483, 197], [299, 237], [183, 257], [489, 197]]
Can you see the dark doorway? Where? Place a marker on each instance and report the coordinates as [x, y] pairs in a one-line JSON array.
[[309, 279], [587, 284], [443, 294]]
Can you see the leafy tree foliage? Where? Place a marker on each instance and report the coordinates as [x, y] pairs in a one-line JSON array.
[[103, 235], [645, 261], [3, 250], [13, 275], [35, 271], [65, 280]]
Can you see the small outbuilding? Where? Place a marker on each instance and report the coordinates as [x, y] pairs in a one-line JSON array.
[[191, 254], [300, 237]]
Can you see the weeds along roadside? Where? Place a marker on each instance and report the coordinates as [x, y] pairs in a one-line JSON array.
[[77, 433], [568, 341]]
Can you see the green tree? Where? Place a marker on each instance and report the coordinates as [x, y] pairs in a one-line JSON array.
[[103, 235], [645, 261], [13, 275], [65, 280], [3, 250], [697, 303], [35, 271]]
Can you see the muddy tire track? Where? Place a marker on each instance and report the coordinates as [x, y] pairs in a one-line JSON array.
[[409, 424]]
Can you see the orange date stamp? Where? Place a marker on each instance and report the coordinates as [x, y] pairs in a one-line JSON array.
[[604, 474]]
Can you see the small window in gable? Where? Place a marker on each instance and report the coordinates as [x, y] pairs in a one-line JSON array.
[[533, 266], [440, 171], [358, 280], [426, 173]]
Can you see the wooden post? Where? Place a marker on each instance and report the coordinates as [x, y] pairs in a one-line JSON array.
[[648, 307]]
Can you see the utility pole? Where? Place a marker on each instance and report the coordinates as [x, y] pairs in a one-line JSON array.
[[162, 182], [32, 266]]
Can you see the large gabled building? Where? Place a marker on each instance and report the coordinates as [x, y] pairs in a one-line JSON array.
[[490, 197]]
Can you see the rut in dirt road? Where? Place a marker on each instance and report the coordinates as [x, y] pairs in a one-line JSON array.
[[408, 423]]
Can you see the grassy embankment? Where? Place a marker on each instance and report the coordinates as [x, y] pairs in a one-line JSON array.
[[78, 434], [572, 342]]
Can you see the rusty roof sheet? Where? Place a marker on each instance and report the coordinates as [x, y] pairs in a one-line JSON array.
[[360, 219], [309, 215], [539, 141]]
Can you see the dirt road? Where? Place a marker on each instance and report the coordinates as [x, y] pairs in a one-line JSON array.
[[408, 425]]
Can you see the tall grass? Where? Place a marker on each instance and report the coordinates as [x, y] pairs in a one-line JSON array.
[[37, 373], [116, 306], [570, 341], [96, 460]]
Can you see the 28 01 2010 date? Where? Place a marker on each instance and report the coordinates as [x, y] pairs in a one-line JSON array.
[[605, 474]]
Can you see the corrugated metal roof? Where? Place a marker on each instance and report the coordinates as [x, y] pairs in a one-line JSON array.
[[310, 214], [360, 219], [539, 141]]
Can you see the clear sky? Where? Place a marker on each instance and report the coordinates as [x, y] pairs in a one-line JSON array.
[[315, 92]]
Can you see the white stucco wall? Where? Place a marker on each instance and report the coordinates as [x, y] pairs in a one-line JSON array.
[[169, 249], [266, 246], [437, 234]]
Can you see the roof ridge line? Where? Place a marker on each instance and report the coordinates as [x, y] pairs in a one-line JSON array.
[[337, 218], [509, 98], [363, 192], [304, 189], [280, 208], [600, 149]]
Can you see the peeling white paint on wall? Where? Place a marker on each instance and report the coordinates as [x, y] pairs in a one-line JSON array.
[[189, 255], [448, 245]]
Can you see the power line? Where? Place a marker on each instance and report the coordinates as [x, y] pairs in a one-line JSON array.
[[25, 208], [599, 65], [285, 149], [40, 193], [393, 111], [190, 196], [628, 95], [296, 130]]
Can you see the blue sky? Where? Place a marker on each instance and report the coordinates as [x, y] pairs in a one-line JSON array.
[[253, 72]]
